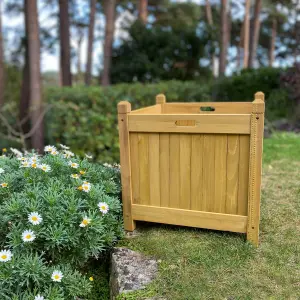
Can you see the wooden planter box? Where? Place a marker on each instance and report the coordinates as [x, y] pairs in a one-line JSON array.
[[184, 165]]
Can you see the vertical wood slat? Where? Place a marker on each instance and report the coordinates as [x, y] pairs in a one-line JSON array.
[[144, 168], [208, 174], [135, 172], [255, 167], [124, 108], [185, 171], [243, 175], [220, 173], [174, 170], [196, 171], [154, 180], [232, 174], [164, 162]]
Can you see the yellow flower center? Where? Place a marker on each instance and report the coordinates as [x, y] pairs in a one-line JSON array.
[[4, 256], [34, 218], [73, 165], [44, 168], [56, 277], [82, 172], [103, 207], [28, 236], [91, 279], [85, 222], [34, 165], [4, 184], [4, 150], [80, 188], [85, 187]]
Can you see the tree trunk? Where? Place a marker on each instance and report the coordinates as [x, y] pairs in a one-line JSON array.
[[272, 42], [37, 138], [110, 7], [224, 38], [143, 10], [246, 33], [88, 72], [254, 35], [240, 46], [1, 62], [211, 24], [79, 46], [64, 35]]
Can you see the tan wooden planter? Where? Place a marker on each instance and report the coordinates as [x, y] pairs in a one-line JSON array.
[[184, 165]]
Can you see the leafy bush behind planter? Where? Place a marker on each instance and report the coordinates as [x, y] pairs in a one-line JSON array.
[[86, 117], [63, 240]]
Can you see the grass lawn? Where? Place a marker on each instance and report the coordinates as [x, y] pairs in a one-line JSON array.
[[205, 264]]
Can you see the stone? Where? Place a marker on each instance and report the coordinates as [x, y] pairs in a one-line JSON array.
[[130, 271]]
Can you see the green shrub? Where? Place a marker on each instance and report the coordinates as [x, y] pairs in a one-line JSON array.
[[57, 211]]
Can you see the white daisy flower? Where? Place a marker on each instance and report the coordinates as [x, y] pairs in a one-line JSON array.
[[73, 165], [75, 176], [39, 297], [5, 255], [86, 187], [1, 171], [103, 207], [16, 152], [88, 156], [64, 146], [34, 218], [28, 236], [45, 168], [4, 184], [22, 158], [25, 164], [50, 148], [108, 165], [85, 222], [68, 154], [57, 276]]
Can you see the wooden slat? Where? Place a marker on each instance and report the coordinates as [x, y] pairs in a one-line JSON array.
[[196, 171], [154, 109], [135, 172], [164, 162], [174, 170], [185, 171], [208, 174], [220, 173], [205, 123], [154, 169], [123, 110], [255, 167], [220, 108], [184, 217], [144, 168], [232, 174], [243, 175]]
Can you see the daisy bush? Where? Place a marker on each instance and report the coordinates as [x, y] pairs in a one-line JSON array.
[[57, 213]]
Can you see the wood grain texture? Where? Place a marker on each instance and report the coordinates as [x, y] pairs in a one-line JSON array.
[[255, 168], [232, 174], [202, 123], [154, 172], [164, 162], [174, 170], [208, 174], [123, 110], [243, 175], [185, 171], [192, 218], [144, 168], [135, 167], [220, 108], [220, 182], [196, 171], [154, 109]]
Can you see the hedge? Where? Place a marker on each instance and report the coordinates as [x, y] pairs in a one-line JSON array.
[[85, 118]]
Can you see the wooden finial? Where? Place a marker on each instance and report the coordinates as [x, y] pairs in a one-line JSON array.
[[160, 99], [259, 97], [124, 107]]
